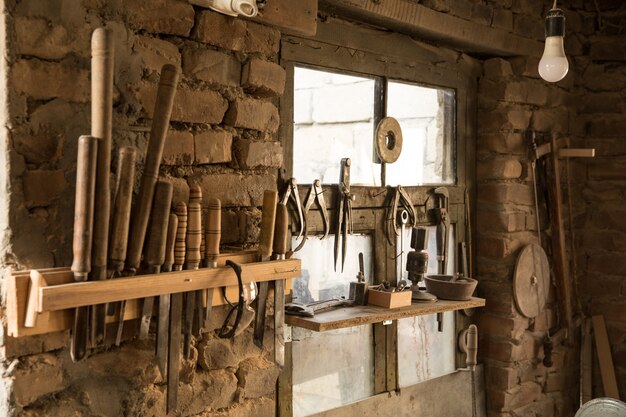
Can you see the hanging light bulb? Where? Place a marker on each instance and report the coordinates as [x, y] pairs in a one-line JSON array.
[[553, 65]]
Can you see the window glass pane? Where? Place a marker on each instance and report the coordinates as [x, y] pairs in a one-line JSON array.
[[326, 371], [427, 119], [333, 119]]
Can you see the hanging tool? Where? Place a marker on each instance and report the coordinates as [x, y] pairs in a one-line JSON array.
[[83, 230], [344, 212], [192, 261], [120, 222], [400, 201], [443, 233], [388, 140], [213, 234], [154, 154], [292, 196], [468, 236], [315, 196], [266, 241], [102, 51], [195, 196], [176, 312], [417, 264], [280, 247], [164, 300], [468, 343]]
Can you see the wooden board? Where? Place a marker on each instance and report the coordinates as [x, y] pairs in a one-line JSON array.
[[298, 17], [531, 280], [361, 315], [607, 371]]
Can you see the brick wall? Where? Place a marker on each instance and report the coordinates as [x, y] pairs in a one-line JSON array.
[[223, 137]]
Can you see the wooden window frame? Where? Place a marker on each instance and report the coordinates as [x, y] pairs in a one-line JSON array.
[[342, 46]]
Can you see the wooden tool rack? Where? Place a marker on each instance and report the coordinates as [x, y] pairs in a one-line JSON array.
[[54, 301]]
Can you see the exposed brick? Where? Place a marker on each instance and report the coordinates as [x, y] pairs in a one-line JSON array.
[[46, 80], [558, 381], [497, 68], [501, 378], [524, 394], [220, 30], [608, 127], [543, 407], [502, 193], [513, 143], [155, 52], [482, 14], [181, 191], [550, 120], [502, 19], [612, 312], [252, 154], [505, 119], [262, 39], [527, 26], [525, 66], [257, 377], [42, 187], [254, 114], [603, 103], [210, 390], [216, 353], [213, 147], [460, 8], [178, 148], [236, 189], [609, 218], [38, 37], [40, 375], [263, 78], [500, 169], [173, 17], [502, 221], [608, 48], [44, 146], [189, 106], [211, 66], [506, 327], [494, 247], [29, 345]]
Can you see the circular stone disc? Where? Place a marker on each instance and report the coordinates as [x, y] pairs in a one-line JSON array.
[[602, 407], [388, 140], [531, 280]]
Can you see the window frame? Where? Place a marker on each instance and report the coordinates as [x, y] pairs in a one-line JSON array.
[[353, 49]]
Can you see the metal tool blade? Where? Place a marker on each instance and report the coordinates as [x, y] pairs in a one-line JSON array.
[[173, 364]]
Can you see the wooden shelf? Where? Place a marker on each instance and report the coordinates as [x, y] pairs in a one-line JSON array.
[[361, 315]]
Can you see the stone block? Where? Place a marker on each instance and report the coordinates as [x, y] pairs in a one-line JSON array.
[[550, 120], [558, 381], [527, 27], [230, 226], [460, 8], [257, 377], [505, 327], [509, 143], [499, 168], [211, 66], [603, 103], [29, 345], [38, 37], [502, 221], [502, 193], [216, 353], [482, 14], [172, 17], [181, 190], [253, 154], [524, 394], [47, 80], [45, 146], [608, 48], [249, 225], [253, 114], [212, 390], [155, 53], [213, 147], [189, 106], [262, 39], [607, 126], [494, 247], [178, 148], [525, 66], [543, 407], [501, 378], [237, 190], [42, 187], [219, 30], [497, 68], [502, 19], [37, 376], [263, 78]]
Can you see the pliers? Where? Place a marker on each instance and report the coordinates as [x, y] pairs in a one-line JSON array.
[[292, 191], [344, 212], [401, 201], [315, 195]]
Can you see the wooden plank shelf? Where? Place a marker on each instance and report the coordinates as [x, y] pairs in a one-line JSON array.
[[60, 295], [342, 318]]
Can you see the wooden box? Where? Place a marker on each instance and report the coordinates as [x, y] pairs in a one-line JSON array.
[[389, 299]]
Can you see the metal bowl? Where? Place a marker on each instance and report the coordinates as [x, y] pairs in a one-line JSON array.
[[445, 288], [602, 407]]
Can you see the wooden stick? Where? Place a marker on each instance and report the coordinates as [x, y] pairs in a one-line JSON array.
[[576, 153], [83, 229], [607, 371], [121, 208], [36, 281]]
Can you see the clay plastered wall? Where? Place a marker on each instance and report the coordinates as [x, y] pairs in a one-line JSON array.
[[222, 137]]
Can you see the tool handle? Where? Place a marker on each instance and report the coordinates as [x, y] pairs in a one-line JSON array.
[[36, 282], [194, 236], [121, 207], [280, 231], [154, 154], [102, 51], [172, 229], [472, 346], [213, 230], [180, 247], [195, 194], [268, 219], [157, 237], [83, 206]]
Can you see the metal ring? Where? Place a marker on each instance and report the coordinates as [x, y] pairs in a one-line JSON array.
[[388, 140]]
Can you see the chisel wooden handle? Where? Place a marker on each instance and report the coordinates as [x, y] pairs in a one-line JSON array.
[[84, 206], [268, 216], [472, 346], [121, 208], [160, 124], [155, 249], [180, 247], [194, 236], [280, 232], [172, 229], [213, 231], [195, 194], [102, 51]]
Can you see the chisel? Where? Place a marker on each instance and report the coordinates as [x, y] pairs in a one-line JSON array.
[[266, 239], [118, 237], [154, 154], [213, 233], [102, 51], [83, 229], [164, 300], [192, 261], [176, 312], [279, 251], [155, 249], [195, 196]]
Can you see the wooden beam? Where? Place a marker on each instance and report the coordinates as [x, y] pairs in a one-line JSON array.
[[411, 18], [299, 17], [607, 371]]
